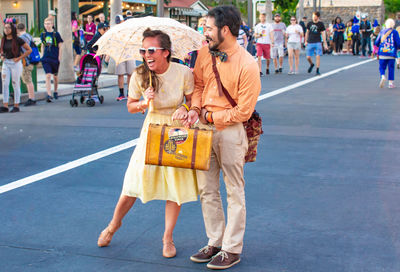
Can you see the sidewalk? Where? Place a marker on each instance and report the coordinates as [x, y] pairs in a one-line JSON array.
[[105, 80]]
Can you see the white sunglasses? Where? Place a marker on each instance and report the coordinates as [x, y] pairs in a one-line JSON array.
[[150, 50]]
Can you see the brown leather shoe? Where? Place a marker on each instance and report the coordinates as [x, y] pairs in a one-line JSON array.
[[169, 250], [205, 254], [224, 260]]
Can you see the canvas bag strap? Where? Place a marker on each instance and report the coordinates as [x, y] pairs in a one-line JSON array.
[[221, 88], [386, 35]]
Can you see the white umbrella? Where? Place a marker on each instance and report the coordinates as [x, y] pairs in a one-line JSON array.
[[122, 42]]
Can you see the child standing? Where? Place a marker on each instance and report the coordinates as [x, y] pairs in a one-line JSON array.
[[51, 48]]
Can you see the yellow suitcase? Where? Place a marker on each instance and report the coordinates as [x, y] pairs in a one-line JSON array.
[[178, 147]]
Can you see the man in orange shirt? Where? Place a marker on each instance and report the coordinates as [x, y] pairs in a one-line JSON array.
[[239, 74]]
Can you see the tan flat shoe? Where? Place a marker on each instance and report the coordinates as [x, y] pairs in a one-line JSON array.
[[169, 250], [105, 237]]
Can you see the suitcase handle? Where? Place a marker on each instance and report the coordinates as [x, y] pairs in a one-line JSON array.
[[160, 153]]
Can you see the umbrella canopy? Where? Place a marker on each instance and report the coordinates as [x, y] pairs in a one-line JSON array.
[[122, 42]]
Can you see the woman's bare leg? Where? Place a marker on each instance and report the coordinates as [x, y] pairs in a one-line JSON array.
[[172, 210], [296, 59], [291, 59], [124, 204]]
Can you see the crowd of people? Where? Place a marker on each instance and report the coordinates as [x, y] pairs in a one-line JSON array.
[[266, 40]]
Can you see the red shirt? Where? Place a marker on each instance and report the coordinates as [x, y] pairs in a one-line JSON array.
[[90, 28]]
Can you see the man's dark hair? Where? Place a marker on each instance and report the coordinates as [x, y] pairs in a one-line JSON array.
[[21, 26], [305, 17], [226, 16], [317, 14]]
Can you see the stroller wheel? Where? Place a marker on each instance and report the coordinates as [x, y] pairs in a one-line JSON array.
[[72, 103], [82, 99], [90, 102], [76, 102], [101, 98]]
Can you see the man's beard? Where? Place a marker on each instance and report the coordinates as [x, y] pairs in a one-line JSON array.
[[217, 43]]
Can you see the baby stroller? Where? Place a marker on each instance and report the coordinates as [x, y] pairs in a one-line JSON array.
[[86, 83]]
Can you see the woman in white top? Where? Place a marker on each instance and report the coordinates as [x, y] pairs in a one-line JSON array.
[[294, 33]]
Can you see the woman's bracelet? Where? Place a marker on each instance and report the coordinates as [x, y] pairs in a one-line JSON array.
[[186, 107], [139, 107], [196, 109]]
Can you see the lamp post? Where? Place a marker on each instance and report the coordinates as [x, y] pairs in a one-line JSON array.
[[160, 8]]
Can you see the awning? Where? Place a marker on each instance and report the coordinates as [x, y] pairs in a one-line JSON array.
[[147, 2], [190, 12]]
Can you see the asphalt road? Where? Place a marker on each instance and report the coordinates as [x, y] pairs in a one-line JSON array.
[[322, 196]]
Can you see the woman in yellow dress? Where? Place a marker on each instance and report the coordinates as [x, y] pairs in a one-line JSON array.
[[172, 83]]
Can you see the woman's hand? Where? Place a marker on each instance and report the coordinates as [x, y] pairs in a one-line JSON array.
[[16, 59], [149, 93], [180, 114]]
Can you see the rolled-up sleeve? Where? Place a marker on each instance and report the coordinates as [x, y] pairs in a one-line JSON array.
[[248, 92]]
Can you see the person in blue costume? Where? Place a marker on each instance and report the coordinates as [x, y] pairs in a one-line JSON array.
[[388, 42]]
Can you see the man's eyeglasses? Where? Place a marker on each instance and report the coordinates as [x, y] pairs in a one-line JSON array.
[[150, 50]]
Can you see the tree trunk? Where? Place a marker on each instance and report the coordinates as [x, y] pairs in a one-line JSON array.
[[268, 11], [300, 11], [116, 8], [250, 13], [66, 72], [314, 5]]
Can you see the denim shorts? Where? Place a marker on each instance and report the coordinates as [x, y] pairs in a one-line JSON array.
[[77, 49], [314, 48], [51, 66]]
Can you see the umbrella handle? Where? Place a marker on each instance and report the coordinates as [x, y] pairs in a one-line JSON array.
[[151, 102]]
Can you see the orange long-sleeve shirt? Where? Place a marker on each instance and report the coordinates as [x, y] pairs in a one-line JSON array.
[[240, 75]]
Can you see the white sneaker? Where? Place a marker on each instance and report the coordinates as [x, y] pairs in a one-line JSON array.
[[391, 85], [382, 83]]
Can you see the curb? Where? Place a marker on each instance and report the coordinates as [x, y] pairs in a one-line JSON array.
[[64, 90]]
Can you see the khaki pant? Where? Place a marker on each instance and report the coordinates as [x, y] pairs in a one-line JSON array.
[[228, 150], [27, 74]]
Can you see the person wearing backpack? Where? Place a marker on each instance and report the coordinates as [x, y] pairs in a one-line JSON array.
[[27, 65], [52, 51], [388, 42]]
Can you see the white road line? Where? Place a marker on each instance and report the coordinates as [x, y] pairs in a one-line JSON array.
[[67, 166], [101, 154], [304, 82]]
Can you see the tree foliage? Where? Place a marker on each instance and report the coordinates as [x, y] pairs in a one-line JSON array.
[[392, 6]]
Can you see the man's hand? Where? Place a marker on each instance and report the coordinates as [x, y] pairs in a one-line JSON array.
[[180, 114], [202, 113], [192, 118]]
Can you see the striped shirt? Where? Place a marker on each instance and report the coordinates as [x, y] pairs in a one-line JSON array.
[[240, 39]]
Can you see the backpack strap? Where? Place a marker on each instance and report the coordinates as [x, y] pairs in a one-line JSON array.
[[54, 39]]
